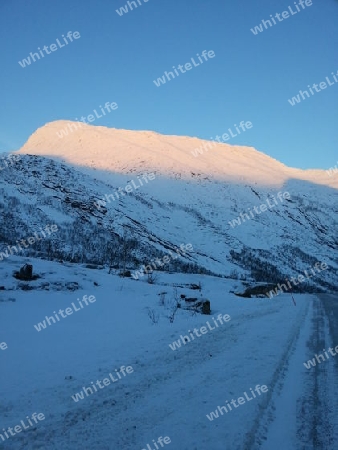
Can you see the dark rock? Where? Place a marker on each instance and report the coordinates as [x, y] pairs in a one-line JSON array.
[[260, 290], [206, 307], [126, 274], [202, 306], [26, 287], [72, 285], [26, 272]]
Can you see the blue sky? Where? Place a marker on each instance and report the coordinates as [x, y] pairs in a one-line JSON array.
[[117, 58]]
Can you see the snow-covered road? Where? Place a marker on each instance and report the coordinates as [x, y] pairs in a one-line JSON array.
[[170, 392]]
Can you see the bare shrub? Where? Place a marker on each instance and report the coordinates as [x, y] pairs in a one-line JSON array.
[[234, 274], [196, 287], [194, 310], [173, 306], [152, 278], [153, 315], [162, 298]]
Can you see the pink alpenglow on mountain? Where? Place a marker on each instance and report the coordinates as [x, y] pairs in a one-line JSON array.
[[125, 152]]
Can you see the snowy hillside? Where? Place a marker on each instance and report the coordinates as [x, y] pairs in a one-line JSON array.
[[263, 230]]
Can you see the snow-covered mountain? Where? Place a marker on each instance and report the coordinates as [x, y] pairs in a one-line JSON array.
[[120, 199], [212, 201]]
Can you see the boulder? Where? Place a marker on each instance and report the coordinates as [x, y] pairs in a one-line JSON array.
[[202, 306], [25, 273], [206, 307]]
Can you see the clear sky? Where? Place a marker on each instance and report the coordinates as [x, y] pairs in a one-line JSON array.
[[117, 58]]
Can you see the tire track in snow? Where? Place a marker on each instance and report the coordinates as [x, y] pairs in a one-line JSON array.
[[266, 414]]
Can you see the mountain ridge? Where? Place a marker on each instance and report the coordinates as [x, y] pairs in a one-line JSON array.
[[206, 205], [125, 151], [166, 213]]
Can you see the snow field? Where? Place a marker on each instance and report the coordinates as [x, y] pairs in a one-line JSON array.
[[169, 393]]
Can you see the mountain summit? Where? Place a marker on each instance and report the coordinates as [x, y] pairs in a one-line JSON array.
[[125, 151], [243, 213]]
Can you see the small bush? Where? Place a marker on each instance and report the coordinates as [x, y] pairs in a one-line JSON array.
[[174, 305], [162, 298], [152, 278], [153, 315]]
